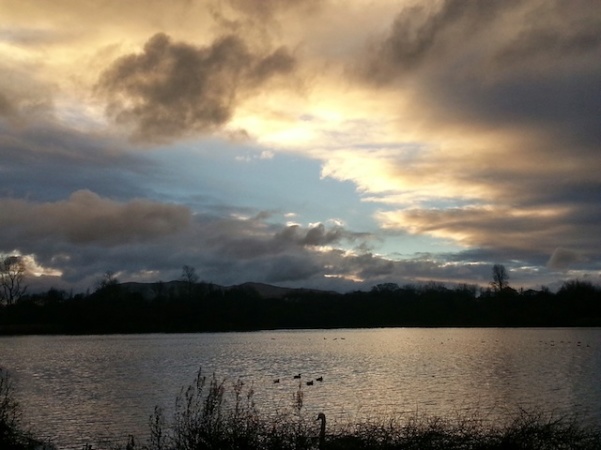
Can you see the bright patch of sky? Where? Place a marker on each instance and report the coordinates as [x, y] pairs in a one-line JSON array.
[[213, 173]]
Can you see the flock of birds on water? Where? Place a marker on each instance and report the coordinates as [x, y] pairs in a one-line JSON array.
[[298, 377], [321, 416]]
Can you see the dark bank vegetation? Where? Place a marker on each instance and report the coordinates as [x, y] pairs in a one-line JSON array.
[[191, 306]]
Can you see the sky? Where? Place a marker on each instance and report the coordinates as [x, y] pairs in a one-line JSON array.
[[305, 143]]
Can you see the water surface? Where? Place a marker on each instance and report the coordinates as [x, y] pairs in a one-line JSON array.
[[87, 389]]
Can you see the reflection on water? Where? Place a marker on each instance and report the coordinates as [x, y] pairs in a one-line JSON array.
[[79, 390]]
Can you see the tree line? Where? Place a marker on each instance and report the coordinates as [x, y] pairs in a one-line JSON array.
[[188, 305]]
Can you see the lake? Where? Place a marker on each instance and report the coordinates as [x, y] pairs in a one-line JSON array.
[[90, 389]]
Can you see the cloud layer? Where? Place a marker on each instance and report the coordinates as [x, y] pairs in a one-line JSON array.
[[427, 140]]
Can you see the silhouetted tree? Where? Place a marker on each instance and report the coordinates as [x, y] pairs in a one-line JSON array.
[[12, 276], [467, 290], [112, 308], [190, 278], [108, 280], [500, 278], [56, 295], [388, 288], [108, 286], [577, 289], [159, 290]]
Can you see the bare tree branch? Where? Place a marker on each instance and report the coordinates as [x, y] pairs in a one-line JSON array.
[[12, 276]]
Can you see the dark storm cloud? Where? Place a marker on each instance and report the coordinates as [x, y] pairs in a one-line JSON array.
[[368, 269], [174, 88], [421, 33], [227, 250], [552, 31], [6, 106], [563, 258], [24, 97], [258, 17], [45, 161], [562, 106], [292, 267], [86, 235], [501, 62], [497, 61], [253, 239], [264, 8], [86, 218], [317, 235], [529, 236]]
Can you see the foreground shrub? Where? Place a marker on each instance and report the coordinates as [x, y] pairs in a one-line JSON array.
[[527, 431], [9, 416], [209, 416]]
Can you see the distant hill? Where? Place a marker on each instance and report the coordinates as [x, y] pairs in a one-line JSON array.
[[270, 291], [266, 291]]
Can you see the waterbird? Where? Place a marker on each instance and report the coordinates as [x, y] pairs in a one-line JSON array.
[[322, 430], [310, 383], [276, 381], [297, 377], [319, 379]]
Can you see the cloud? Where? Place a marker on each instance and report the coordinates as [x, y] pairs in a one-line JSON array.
[[23, 97], [228, 249], [553, 31], [317, 235], [264, 8], [86, 218], [502, 96], [472, 122], [254, 238], [78, 239], [172, 89], [260, 20], [498, 63], [85, 235], [6, 107], [423, 33], [563, 258], [46, 161], [528, 235]]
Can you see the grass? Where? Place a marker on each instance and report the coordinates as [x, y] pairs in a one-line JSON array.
[[215, 414]]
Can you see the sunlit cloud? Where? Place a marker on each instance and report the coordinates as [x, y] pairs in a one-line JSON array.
[[37, 270]]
